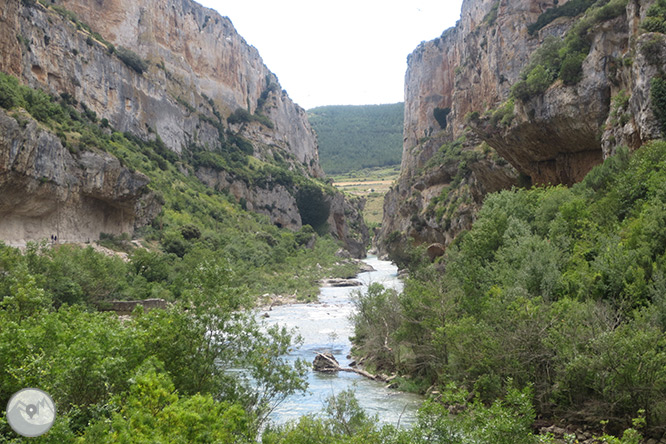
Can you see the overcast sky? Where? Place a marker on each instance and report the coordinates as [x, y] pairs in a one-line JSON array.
[[344, 52]]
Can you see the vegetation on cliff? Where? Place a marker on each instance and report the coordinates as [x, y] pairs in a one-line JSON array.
[[352, 138], [248, 240], [563, 58], [553, 288]]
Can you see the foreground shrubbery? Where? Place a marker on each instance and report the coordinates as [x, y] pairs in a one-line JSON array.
[[161, 375], [561, 289], [343, 421]]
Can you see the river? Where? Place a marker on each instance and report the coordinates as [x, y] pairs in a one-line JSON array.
[[325, 326]]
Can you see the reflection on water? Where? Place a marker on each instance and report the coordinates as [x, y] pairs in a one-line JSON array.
[[325, 326]]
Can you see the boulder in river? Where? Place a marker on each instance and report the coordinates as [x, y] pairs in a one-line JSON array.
[[325, 362], [363, 267], [336, 282]]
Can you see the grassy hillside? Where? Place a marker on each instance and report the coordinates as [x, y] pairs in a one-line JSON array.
[[356, 137]]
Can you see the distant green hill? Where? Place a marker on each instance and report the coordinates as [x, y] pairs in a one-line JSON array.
[[356, 137]]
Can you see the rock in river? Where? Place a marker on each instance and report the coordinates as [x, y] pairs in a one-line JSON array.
[[325, 362], [335, 282]]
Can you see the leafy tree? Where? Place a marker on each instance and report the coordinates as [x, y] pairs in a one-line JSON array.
[[558, 289], [154, 412]]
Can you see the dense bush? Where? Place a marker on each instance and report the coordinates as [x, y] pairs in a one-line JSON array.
[[542, 71], [658, 99], [655, 20], [551, 287], [342, 421], [102, 371], [242, 115], [562, 59]]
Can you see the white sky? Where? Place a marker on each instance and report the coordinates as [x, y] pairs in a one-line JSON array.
[[344, 52]]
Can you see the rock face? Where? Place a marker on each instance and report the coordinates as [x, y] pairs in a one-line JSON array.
[[47, 191], [454, 85], [194, 71]]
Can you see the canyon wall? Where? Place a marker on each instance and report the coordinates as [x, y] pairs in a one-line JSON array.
[[171, 70], [466, 134]]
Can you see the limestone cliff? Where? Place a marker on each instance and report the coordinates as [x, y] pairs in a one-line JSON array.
[[467, 132], [167, 69]]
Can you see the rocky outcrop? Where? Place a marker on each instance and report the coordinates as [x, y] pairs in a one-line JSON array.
[[277, 202], [458, 89], [47, 191], [337, 282]]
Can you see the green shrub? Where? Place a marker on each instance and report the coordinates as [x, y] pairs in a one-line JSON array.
[[571, 8], [614, 8], [655, 20], [658, 100], [571, 70], [654, 24], [242, 115], [10, 94], [131, 59], [652, 51], [503, 115], [190, 231], [535, 83]]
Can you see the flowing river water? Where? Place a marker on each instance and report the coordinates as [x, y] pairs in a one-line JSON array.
[[325, 326]]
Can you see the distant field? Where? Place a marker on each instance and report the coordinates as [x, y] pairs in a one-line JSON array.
[[372, 183]]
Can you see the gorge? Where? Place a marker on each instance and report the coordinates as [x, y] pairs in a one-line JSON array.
[[529, 219]]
